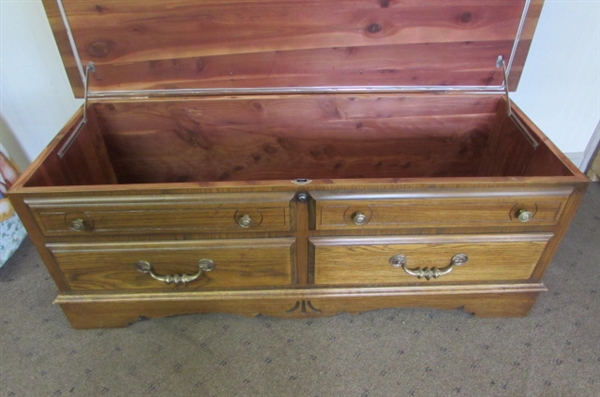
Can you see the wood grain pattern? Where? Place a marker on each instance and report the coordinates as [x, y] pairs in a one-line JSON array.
[[119, 310], [303, 216], [85, 163], [548, 160], [468, 208], [165, 178], [35, 234], [510, 154], [364, 261], [252, 139], [563, 226], [312, 136], [238, 263], [273, 43], [159, 214]]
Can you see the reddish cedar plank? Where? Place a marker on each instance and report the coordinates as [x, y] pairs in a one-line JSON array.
[[287, 138], [409, 65], [85, 163], [185, 44], [291, 112], [509, 153]]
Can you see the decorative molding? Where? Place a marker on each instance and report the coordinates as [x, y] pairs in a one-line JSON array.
[[302, 305]]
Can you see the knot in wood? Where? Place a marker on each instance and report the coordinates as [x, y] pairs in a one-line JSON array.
[[374, 28], [466, 17], [100, 48]]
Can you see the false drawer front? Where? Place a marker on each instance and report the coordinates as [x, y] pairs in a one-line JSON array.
[[207, 213], [398, 260], [437, 209], [210, 265]]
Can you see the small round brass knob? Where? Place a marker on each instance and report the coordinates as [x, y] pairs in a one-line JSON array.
[[302, 197], [245, 221], [524, 216], [359, 219], [206, 265], [398, 260], [78, 225]]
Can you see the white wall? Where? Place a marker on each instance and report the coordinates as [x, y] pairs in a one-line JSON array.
[[559, 89], [35, 96], [560, 86]]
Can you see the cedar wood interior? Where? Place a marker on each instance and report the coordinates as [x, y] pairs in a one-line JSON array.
[[297, 137]]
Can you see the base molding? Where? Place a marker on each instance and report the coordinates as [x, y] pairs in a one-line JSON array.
[[87, 311]]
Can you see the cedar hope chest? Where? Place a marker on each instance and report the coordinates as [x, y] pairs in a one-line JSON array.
[[295, 158]]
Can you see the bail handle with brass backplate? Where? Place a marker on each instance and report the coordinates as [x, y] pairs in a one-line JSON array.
[[428, 272], [204, 265]]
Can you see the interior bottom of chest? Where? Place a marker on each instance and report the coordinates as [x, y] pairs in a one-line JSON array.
[[256, 138]]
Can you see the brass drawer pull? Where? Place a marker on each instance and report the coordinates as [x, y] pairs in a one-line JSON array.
[[245, 221], [524, 216], [428, 273], [204, 265], [78, 225], [359, 219]]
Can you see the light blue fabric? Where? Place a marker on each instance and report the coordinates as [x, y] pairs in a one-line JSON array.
[[12, 233]]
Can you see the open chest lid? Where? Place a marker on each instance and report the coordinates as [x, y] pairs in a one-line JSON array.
[[163, 47]]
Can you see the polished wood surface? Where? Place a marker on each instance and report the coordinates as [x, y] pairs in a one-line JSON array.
[[462, 208], [171, 177], [563, 225], [275, 138], [312, 136], [220, 141], [448, 185], [238, 263], [303, 219], [183, 44], [364, 261], [85, 163], [119, 310], [509, 153], [164, 214]]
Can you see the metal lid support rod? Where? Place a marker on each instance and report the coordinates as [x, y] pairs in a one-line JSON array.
[[65, 147], [500, 63]]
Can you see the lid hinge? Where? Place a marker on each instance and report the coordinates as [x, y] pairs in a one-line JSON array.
[[500, 63], [90, 68]]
